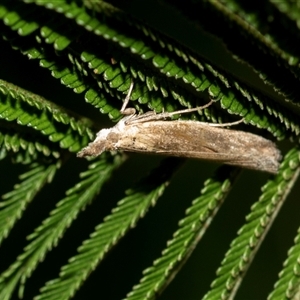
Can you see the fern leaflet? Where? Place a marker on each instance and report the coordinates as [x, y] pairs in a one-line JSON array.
[[125, 216], [47, 235], [263, 213]]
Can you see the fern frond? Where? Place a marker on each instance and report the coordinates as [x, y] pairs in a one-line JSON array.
[[269, 60], [124, 217], [251, 235], [287, 286], [288, 8], [14, 203], [202, 78], [152, 61], [253, 20], [51, 230], [178, 63], [23, 147], [191, 229], [33, 111]]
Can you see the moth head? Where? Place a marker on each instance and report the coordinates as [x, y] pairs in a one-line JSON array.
[[98, 146]]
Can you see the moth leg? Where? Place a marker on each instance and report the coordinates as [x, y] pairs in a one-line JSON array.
[[147, 116], [225, 124], [164, 115], [152, 116], [124, 110]]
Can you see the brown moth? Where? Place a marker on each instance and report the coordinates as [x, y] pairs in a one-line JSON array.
[[151, 133]]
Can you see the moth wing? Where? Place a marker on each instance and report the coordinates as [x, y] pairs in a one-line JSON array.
[[269, 164], [197, 140]]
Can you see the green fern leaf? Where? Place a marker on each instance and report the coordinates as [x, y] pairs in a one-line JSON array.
[[185, 239], [15, 202], [125, 216], [39, 115], [263, 212], [288, 283], [47, 235]]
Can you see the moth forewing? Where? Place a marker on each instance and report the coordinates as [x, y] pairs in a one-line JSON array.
[[187, 139], [202, 141]]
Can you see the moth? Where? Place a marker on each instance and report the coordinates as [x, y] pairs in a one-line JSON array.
[[152, 133]]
